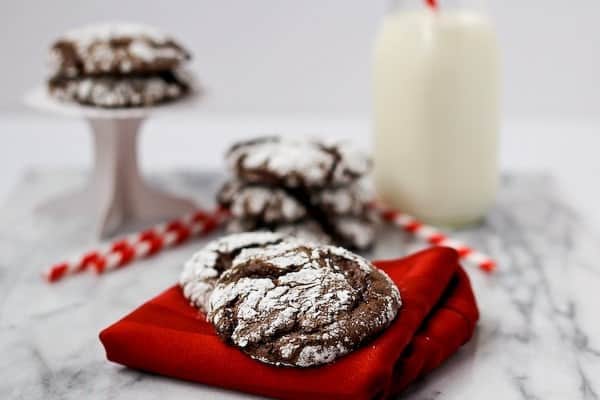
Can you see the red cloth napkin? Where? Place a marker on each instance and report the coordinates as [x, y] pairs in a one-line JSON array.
[[169, 337]]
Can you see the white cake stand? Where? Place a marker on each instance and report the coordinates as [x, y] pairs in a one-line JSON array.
[[116, 196]]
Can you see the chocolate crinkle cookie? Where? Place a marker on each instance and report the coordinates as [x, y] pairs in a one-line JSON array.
[[301, 186], [297, 162], [119, 91], [290, 302], [117, 65], [264, 203]]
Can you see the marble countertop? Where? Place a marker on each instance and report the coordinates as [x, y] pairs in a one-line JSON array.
[[538, 337]]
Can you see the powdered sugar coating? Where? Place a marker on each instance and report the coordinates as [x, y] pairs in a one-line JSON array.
[[301, 304], [352, 200], [114, 92], [268, 204], [353, 161], [202, 270], [358, 232], [297, 162], [114, 48]]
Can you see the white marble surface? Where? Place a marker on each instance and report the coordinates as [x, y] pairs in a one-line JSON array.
[[538, 338]]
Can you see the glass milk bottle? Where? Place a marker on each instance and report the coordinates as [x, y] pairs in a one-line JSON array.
[[436, 111]]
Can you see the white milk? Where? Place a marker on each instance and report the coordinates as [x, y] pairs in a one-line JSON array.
[[437, 115]]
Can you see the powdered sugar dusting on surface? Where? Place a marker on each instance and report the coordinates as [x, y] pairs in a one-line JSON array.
[[118, 92], [350, 200], [272, 204], [354, 160], [316, 355], [301, 161], [394, 301], [283, 255], [356, 231], [200, 272], [148, 53], [288, 157], [288, 349]]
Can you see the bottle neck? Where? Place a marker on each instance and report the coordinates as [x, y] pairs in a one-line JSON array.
[[438, 5]]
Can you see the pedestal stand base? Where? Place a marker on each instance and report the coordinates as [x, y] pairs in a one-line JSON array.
[[117, 197]]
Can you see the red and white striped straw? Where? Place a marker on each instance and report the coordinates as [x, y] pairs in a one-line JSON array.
[[151, 241], [435, 237], [140, 245], [432, 4]]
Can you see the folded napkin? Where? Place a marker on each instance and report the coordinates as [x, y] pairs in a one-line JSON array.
[[169, 337]]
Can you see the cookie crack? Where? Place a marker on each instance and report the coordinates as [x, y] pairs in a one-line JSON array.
[[336, 156]]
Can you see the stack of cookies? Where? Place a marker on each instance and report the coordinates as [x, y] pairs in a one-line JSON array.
[[117, 65], [318, 191]]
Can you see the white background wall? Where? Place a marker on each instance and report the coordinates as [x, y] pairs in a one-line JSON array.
[[309, 62], [313, 56]]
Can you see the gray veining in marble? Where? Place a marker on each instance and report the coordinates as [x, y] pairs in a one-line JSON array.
[[538, 338]]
